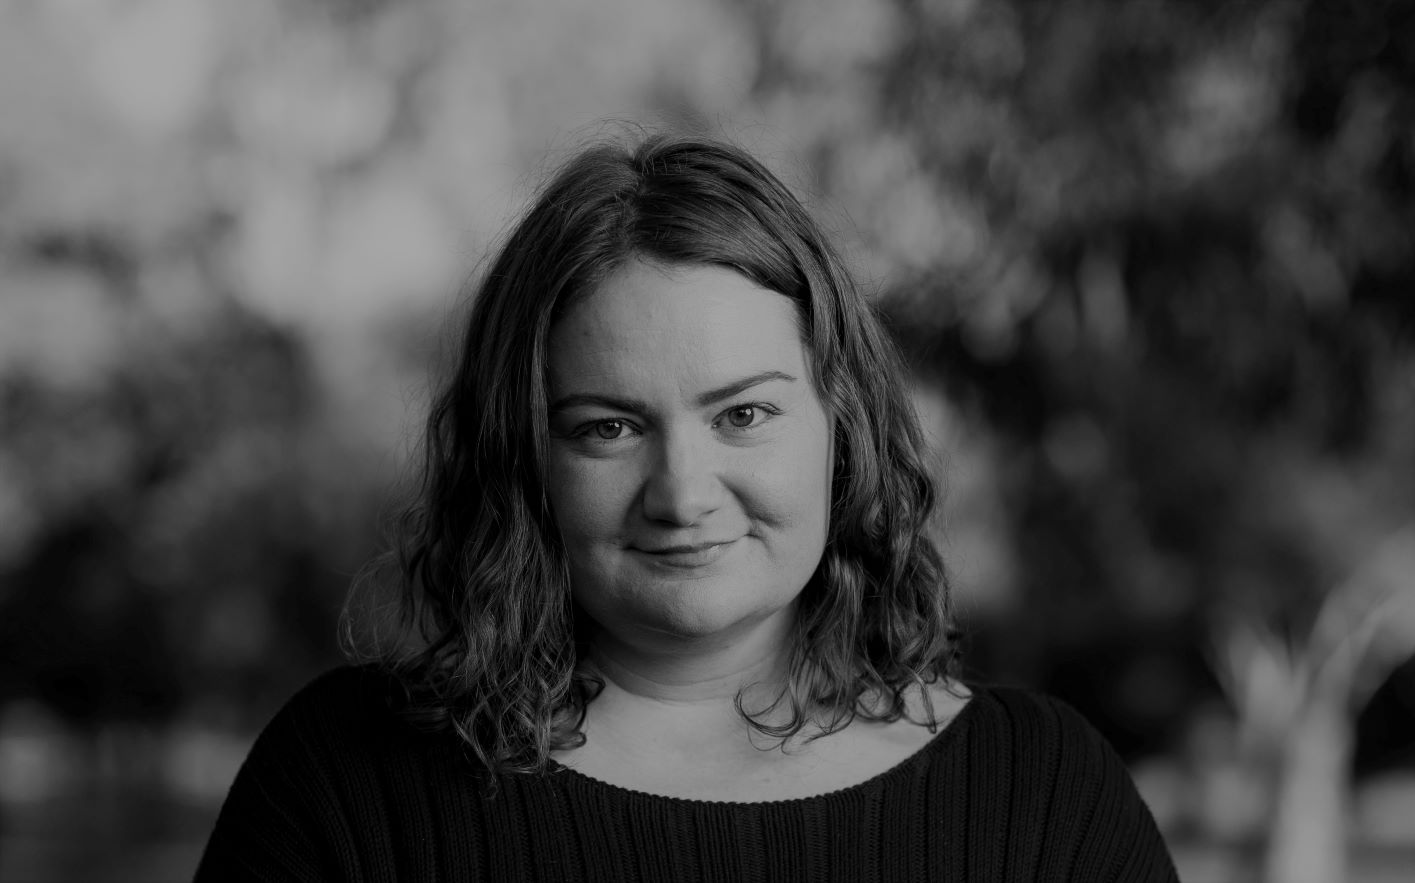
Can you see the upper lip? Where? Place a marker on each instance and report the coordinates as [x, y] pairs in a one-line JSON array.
[[687, 547]]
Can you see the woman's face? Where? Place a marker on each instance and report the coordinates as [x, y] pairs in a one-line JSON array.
[[690, 457]]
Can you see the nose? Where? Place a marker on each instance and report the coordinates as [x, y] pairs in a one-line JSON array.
[[683, 484]]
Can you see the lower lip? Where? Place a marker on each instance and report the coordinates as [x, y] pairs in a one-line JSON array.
[[689, 560]]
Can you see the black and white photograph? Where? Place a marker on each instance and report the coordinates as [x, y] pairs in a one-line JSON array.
[[707, 440]]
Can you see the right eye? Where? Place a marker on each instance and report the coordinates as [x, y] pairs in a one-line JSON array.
[[608, 429]]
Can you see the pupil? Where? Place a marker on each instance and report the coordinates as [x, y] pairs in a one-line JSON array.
[[741, 416]]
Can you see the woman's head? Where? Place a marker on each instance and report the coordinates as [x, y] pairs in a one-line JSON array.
[[484, 553]]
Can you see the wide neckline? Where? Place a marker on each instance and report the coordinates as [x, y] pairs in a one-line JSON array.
[[947, 733]]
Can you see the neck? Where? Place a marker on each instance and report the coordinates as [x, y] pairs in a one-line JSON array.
[[684, 692]]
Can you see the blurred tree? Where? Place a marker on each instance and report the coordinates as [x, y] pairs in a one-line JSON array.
[[1157, 254], [1167, 252], [227, 233], [186, 531]]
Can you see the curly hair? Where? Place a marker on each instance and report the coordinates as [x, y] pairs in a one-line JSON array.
[[488, 641]]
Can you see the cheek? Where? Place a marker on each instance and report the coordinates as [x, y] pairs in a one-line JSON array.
[[584, 498], [792, 489]]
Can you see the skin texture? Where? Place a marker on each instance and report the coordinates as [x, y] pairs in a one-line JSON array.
[[656, 446]]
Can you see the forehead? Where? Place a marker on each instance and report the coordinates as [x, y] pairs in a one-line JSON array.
[[655, 326]]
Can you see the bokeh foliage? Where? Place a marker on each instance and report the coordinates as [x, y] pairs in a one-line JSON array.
[[1153, 262]]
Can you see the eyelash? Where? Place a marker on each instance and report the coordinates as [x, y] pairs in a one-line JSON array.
[[586, 431]]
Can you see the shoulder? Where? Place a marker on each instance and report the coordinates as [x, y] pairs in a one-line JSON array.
[[1054, 780], [341, 727], [322, 780], [345, 693], [1027, 721], [334, 711], [1040, 739], [1024, 704]]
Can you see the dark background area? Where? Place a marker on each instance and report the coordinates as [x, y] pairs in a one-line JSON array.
[[1153, 264]]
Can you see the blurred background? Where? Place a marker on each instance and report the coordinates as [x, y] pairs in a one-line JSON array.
[[1153, 263]]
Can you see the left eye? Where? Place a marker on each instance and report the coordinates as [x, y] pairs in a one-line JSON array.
[[742, 416]]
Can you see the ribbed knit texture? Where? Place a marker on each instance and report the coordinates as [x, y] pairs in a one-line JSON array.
[[1017, 787]]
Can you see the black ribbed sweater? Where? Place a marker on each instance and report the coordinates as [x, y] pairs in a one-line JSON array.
[[1017, 787]]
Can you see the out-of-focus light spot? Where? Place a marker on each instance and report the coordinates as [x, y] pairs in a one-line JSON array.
[[717, 63], [38, 756], [313, 102], [176, 295], [58, 325], [907, 216], [323, 262], [1301, 259], [921, 230], [19, 519], [1230, 795], [1046, 176], [1383, 811], [972, 522], [1077, 448], [1234, 801], [988, 330], [200, 763], [1105, 311], [819, 116], [960, 123], [236, 629], [469, 149], [827, 38], [1368, 124], [1164, 787], [367, 391], [1056, 325], [949, 13], [389, 248], [1016, 278], [963, 231], [996, 51], [44, 95], [278, 236], [867, 165], [1224, 101], [75, 156], [620, 72], [152, 61]]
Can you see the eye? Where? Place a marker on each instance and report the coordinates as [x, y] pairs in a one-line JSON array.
[[609, 429], [742, 416], [606, 432]]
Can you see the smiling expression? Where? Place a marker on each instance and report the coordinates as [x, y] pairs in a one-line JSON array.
[[690, 455]]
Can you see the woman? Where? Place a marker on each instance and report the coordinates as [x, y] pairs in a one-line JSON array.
[[671, 610]]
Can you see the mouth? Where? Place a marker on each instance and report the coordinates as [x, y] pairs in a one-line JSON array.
[[687, 556]]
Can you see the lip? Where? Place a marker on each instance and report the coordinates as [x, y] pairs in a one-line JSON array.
[[688, 555]]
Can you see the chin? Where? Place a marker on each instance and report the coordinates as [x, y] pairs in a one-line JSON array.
[[701, 624], [703, 613]]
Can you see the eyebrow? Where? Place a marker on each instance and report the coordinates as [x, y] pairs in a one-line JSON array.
[[638, 406]]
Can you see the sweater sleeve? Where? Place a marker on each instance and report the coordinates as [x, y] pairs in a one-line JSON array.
[[282, 819]]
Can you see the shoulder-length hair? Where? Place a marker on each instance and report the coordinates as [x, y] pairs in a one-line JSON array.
[[488, 641]]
